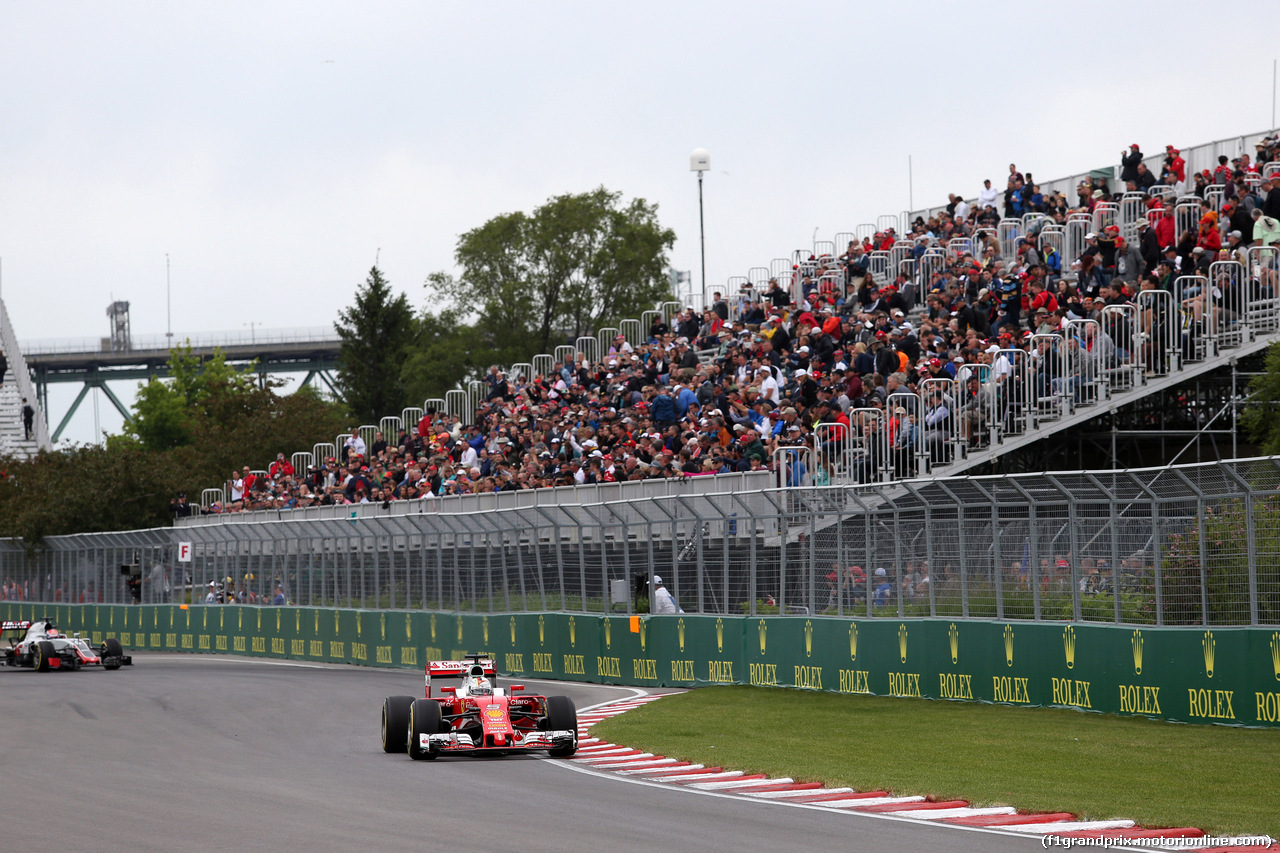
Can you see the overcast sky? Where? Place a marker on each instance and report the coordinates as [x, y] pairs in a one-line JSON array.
[[273, 149]]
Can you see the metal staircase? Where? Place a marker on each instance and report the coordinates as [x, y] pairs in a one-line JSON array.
[[15, 385]]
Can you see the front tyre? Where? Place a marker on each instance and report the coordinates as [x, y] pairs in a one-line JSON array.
[[41, 653], [562, 716], [424, 719], [395, 723], [111, 649]]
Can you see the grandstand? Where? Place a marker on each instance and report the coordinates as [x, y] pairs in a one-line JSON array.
[[15, 385], [825, 405]]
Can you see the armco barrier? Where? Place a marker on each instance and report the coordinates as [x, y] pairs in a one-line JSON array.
[[1220, 675]]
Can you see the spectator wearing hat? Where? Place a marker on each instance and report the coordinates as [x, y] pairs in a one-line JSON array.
[[1129, 263], [1266, 229], [1175, 165], [1209, 237], [661, 602], [1148, 244], [1129, 162]]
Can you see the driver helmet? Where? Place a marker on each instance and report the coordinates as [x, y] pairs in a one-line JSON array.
[[51, 632], [481, 687]]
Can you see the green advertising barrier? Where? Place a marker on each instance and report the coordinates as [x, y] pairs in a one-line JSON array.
[[1198, 675]]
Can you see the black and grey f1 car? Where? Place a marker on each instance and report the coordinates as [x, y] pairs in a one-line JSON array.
[[43, 647]]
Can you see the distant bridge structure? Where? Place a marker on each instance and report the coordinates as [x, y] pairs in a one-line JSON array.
[[97, 362]]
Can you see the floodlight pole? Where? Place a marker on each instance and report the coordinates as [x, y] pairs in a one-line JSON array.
[[700, 161], [702, 236]]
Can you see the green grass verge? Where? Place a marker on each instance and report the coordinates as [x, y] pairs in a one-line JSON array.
[[1223, 780]]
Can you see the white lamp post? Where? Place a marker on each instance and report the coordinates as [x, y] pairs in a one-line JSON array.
[[700, 161]]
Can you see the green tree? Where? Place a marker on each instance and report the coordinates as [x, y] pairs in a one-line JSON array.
[[576, 264], [165, 413], [445, 351], [376, 332], [1261, 417], [187, 435]]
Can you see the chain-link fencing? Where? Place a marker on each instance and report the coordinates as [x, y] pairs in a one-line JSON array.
[[1184, 545]]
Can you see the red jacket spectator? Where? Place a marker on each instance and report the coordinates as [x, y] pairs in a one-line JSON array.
[[281, 467], [1166, 230]]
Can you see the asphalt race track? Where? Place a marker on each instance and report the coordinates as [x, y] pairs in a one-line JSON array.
[[196, 753]]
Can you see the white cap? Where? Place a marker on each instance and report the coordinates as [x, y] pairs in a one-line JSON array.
[[657, 579]]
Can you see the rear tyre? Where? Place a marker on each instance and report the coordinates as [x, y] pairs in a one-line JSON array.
[[41, 653], [424, 719], [112, 649], [562, 716], [395, 723]]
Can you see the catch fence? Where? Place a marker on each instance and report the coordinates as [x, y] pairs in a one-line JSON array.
[[1182, 545]]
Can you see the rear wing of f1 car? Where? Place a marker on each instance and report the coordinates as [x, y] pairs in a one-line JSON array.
[[458, 668], [9, 625]]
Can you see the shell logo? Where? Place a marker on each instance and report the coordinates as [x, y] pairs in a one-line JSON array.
[[493, 713]]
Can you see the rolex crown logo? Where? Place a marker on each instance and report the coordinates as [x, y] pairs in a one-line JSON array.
[[644, 635], [763, 630], [1208, 644], [1137, 652], [542, 630], [359, 623], [278, 616], [1275, 654], [573, 632], [335, 622], [458, 625], [719, 634], [953, 634], [259, 620], [513, 630], [680, 634], [382, 626], [484, 626], [853, 641], [902, 642], [1008, 645], [608, 633], [408, 626], [433, 627], [1069, 645], [808, 638]]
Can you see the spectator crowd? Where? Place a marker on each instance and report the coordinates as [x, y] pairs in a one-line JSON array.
[[732, 386]]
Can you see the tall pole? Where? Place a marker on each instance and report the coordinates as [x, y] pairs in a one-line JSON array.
[[911, 186], [168, 304], [702, 233]]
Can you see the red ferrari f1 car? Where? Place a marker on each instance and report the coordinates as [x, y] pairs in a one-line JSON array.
[[44, 647], [477, 717]]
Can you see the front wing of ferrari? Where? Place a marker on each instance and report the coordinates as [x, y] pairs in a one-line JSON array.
[[518, 741]]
